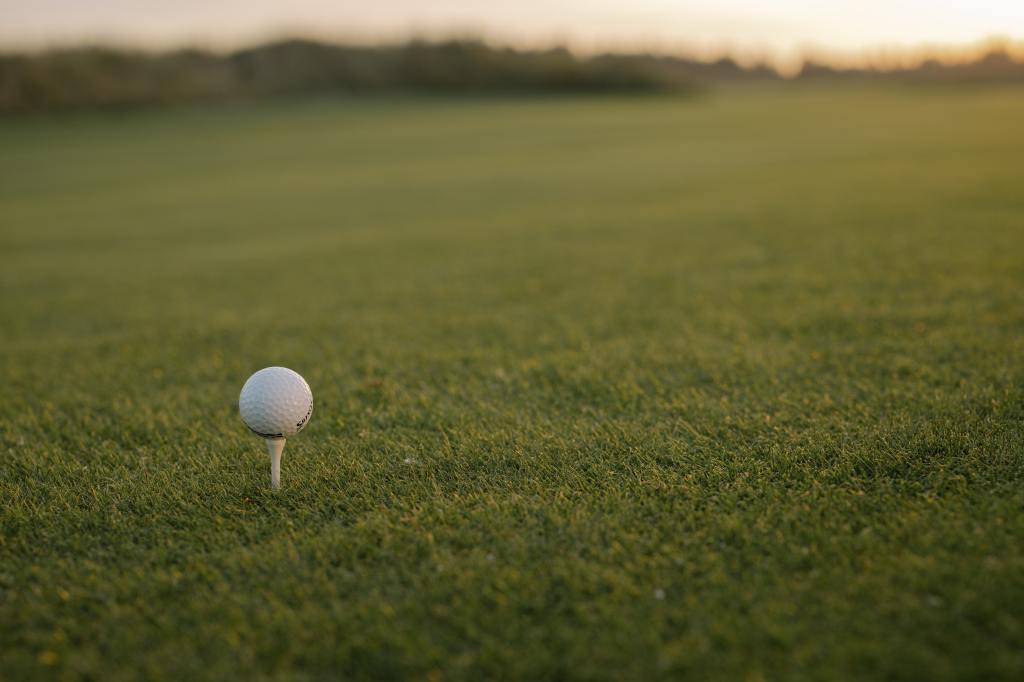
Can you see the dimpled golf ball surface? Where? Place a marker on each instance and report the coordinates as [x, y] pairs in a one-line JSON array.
[[275, 402]]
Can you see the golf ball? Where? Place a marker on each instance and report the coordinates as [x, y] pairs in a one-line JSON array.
[[275, 402]]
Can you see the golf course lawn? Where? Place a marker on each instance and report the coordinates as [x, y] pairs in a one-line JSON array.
[[722, 387]]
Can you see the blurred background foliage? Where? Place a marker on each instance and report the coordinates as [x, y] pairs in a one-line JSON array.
[[105, 77]]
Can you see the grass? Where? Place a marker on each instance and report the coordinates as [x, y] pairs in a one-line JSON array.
[[727, 387]]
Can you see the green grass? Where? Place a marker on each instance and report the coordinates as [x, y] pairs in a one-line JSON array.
[[726, 387]]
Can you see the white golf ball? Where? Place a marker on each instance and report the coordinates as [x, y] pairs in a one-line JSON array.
[[275, 402]]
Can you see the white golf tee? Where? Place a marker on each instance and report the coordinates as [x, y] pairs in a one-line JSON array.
[[275, 446]]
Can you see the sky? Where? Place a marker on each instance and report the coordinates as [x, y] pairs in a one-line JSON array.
[[779, 30]]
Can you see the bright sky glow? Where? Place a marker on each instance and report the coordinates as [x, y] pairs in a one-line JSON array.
[[781, 29]]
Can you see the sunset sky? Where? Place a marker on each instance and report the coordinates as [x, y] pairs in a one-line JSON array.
[[781, 29]]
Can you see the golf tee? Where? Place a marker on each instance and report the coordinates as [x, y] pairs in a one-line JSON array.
[[275, 446]]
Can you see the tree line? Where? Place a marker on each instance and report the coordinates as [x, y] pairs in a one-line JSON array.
[[99, 77]]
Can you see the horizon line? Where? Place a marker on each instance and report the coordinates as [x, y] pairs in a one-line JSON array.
[[880, 56]]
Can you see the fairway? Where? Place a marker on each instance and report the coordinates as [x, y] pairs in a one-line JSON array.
[[720, 387]]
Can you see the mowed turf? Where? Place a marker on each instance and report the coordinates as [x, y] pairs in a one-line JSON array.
[[723, 387]]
